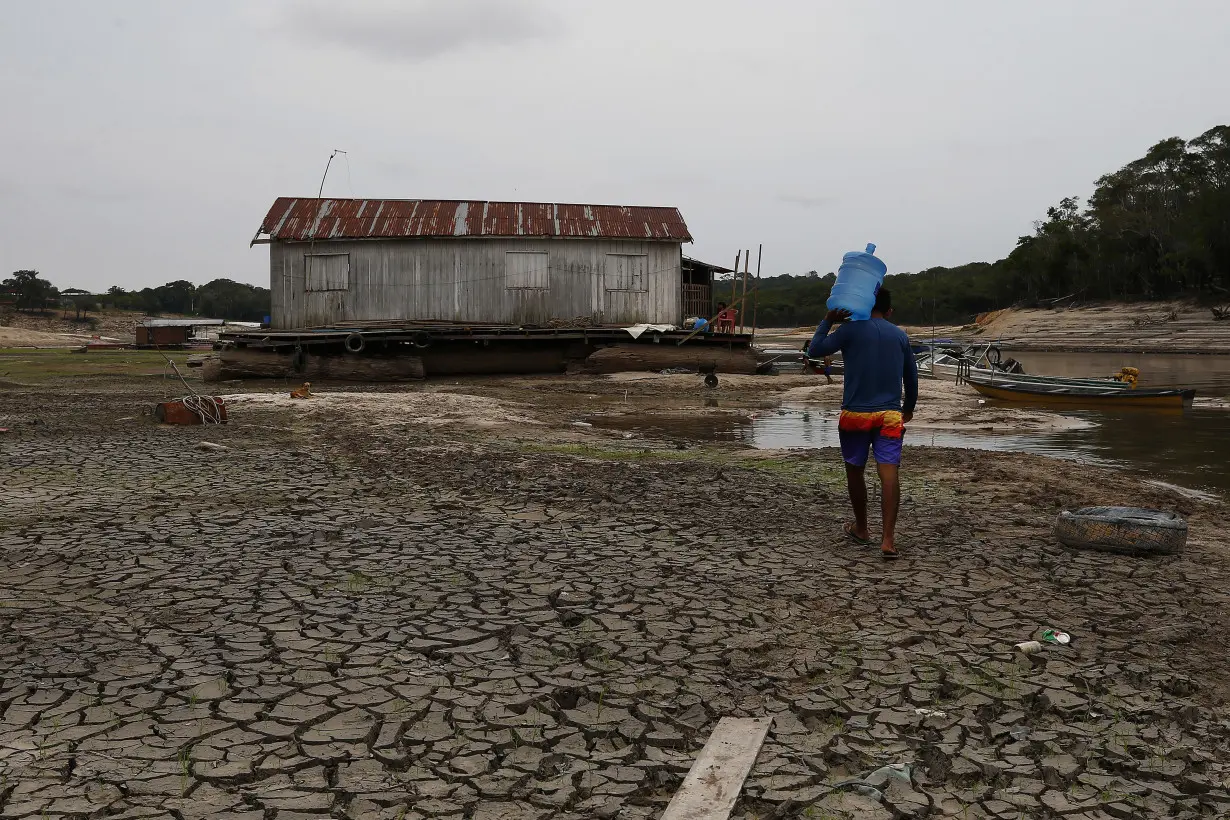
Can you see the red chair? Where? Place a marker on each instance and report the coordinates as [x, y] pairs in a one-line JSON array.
[[725, 320]]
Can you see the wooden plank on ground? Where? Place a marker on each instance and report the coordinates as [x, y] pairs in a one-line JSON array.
[[713, 783]]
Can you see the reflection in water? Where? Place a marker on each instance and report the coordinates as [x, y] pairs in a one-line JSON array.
[[1191, 449], [695, 428], [1188, 448]]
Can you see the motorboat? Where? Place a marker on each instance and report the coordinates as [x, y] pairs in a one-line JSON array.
[[1086, 397], [985, 363]]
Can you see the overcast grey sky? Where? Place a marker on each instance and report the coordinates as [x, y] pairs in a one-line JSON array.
[[144, 140]]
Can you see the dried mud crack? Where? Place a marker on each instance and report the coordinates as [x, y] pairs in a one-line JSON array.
[[401, 621]]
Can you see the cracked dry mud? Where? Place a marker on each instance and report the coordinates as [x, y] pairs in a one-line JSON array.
[[338, 619]]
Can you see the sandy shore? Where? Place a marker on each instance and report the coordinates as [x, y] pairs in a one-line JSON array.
[[1165, 327], [59, 328], [21, 337], [1148, 327]]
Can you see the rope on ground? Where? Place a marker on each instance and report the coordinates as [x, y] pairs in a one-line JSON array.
[[205, 407]]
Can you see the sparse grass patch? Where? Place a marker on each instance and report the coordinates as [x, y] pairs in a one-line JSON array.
[[34, 365]]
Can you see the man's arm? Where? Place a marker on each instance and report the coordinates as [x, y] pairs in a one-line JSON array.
[[909, 378], [822, 344]]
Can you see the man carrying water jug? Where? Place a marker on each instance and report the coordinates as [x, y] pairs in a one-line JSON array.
[[878, 365]]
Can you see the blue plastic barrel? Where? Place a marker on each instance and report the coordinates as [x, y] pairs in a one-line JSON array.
[[859, 277]]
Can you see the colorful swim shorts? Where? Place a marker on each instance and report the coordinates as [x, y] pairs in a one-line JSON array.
[[881, 432]]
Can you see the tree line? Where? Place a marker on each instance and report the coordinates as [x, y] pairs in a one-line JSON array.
[[219, 299], [1158, 228]]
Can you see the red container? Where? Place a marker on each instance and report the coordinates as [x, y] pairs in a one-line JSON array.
[[175, 412]]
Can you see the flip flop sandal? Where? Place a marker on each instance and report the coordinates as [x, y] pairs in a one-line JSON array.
[[889, 555], [848, 528]]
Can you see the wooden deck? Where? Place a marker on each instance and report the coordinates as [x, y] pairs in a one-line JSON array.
[[425, 334]]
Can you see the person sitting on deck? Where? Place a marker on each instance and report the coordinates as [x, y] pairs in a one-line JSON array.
[[724, 321]]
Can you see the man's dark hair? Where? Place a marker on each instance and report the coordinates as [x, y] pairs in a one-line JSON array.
[[721, 304], [884, 301]]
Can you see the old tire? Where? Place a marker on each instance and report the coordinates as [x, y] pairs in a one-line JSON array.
[[355, 343], [1123, 530]]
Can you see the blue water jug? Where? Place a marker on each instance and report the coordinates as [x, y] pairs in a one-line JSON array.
[[859, 277]]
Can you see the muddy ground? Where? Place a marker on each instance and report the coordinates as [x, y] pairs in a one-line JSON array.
[[411, 603]]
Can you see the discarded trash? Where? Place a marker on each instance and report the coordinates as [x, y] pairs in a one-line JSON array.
[[875, 784], [1055, 636], [209, 445], [4, 430], [1126, 530], [1029, 647], [930, 712], [304, 392], [1018, 732], [581, 424]]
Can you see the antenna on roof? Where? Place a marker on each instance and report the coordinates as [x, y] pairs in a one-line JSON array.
[[336, 151], [316, 220]]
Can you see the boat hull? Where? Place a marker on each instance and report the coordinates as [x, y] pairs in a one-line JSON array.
[[952, 372], [1076, 397]]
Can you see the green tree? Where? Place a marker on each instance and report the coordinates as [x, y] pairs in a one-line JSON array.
[[226, 299], [30, 291], [176, 297]]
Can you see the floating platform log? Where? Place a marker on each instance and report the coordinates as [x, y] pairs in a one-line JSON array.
[[384, 351]]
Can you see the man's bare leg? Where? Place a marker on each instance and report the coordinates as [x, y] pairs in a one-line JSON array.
[[890, 484], [858, 499]]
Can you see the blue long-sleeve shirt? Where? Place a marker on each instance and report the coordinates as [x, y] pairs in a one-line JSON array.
[[877, 360]]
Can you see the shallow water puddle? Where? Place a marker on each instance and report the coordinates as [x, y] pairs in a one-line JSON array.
[[1190, 449]]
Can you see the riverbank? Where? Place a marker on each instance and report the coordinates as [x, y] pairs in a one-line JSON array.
[[449, 600], [1148, 327], [60, 328], [1144, 327]]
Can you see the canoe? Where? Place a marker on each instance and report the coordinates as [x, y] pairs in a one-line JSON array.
[[791, 360], [1086, 396]]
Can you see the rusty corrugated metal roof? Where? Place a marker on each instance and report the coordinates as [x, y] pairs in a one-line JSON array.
[[292, 219]]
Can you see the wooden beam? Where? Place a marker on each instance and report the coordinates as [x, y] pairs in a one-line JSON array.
[[743, 313], [756, 288], [713, 783]]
